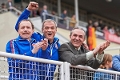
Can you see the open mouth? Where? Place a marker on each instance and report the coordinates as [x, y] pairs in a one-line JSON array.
[[49, 34]]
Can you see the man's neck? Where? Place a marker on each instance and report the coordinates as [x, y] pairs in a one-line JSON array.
[[50, 41], [78, 48]]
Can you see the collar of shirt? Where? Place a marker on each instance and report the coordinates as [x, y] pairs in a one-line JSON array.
[[77, 48]]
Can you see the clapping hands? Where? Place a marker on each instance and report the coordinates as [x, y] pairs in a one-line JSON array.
[[100, 48], [42, 44]]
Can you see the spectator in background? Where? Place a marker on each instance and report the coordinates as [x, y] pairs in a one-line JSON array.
[[39, 11], [116, 63], [118, 32], [112, 30], [73, 21], [101, 25], [63, 16], [24, 45], [49, 28], [44, 13], [88, 41], [53, 13], [91, 36], [9, 5], [33, 13], [105, 29], [106, 64], [95, 25], [76, 53], [3, 7]]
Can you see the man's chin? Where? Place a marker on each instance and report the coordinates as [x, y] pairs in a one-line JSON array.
[[76, 45], [49, 38]]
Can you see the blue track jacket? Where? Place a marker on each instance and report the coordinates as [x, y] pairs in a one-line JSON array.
[[22, 69], [116, 63], [50, 53]]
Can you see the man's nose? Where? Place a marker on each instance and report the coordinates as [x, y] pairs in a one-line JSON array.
[[49, 29], [25, 29], [77, 37]]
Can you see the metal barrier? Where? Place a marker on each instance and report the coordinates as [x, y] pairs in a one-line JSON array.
[[87, 73], [35, 68], [29, 68]]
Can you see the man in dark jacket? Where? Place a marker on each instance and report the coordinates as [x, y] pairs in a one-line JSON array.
[[76, 53]]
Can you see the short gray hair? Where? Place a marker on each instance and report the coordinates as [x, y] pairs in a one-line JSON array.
[[48, 20]]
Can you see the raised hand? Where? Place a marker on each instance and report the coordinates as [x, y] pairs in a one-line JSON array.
[[45, 45], [85, 46], [100, 48], [32, 6], [37, 46]]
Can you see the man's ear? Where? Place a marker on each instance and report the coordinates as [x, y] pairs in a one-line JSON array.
[[33, 31], [42, 30], [84, 39], [69, 36], [56, 30]]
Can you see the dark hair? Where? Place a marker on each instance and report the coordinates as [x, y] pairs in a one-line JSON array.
[[48, 20], [107, 57], [77, 28], [26, 20]]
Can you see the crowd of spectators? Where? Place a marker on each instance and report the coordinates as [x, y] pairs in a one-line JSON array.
[[98, 25], [8, 6], [45, 14], [101, 27]]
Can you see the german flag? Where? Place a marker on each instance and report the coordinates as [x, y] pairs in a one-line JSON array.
[[91, 39]]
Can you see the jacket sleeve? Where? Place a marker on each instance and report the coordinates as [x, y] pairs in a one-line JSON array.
[[116, 63], [25, 14], [94, 63], [65, 54]]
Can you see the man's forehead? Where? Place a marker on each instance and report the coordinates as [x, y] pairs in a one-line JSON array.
[[49, 22], [25, 22], [78, 31]]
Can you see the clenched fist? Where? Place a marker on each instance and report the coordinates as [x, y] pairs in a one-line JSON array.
[[32, 6]]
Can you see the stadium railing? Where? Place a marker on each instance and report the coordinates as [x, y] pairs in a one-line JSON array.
[[64, 70]]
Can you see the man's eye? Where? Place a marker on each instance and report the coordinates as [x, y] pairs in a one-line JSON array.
[[74, 35], [28, 27], [46, 28]]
